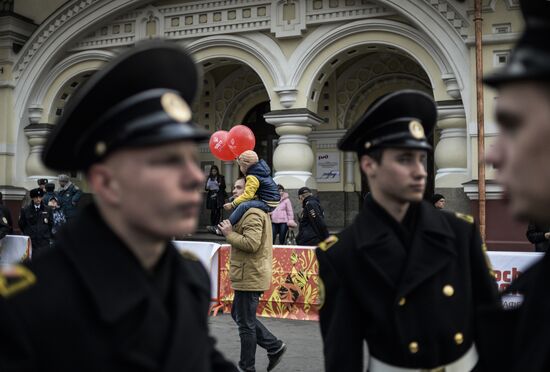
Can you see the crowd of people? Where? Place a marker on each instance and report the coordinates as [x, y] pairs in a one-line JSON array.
[[44, 211], [311, 225]]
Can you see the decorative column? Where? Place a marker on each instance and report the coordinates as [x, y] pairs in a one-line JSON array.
[[228, 173], [36, 133], [349, 166], [293, 157], [14, 31], [451, 152]]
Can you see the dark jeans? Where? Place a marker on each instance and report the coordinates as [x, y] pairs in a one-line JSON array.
[[251, 330], [281, 229], [215, 216], [244, 206]]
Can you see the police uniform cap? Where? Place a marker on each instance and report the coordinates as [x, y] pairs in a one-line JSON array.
[[398, 120], [529, 59], [42, 181], [141, 98], [36, 192], [50, 187]]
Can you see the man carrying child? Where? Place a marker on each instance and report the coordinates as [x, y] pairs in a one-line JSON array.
[[261, 190]]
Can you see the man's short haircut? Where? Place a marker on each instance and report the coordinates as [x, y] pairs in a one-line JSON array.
[[375, 155]]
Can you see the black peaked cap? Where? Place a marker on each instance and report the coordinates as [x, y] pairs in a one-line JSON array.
[[398, 120]]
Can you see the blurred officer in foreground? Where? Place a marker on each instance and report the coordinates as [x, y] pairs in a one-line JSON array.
[[404, 277], [521, 155], [114, 294]]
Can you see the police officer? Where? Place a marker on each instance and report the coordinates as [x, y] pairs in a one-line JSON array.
[[69, 196], [36, 221], [42, 182], [114, 294], [521, 155], [312, 228], [404, 277]]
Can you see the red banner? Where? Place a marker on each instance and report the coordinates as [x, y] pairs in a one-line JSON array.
[[294, 292]]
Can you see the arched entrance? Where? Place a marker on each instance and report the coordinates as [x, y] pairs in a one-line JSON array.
[[365, 74]]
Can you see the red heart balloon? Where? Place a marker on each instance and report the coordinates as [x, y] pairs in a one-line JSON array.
[[240, 139], [218, 145]]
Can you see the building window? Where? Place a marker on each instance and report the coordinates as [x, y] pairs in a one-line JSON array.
[[500, 57], [502, 28]]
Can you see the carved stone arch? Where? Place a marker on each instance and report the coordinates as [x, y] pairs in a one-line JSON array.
[[257, 51], [382, 84], [53, 38], [75, 68], [375, 66], [242, 103], [229, 90], [336, 46]]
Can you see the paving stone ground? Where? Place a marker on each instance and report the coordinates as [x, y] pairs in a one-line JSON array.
[[303, 338]]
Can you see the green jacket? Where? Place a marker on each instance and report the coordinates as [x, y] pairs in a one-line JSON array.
[[251, 252]]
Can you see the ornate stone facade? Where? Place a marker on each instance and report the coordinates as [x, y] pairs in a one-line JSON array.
[[318, 64]]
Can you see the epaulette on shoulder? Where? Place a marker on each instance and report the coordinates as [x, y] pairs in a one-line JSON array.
[[188, 255], [14, 279], [466, 217], [329, 242]]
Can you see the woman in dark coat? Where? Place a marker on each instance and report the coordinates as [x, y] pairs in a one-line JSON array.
[[215, 185]]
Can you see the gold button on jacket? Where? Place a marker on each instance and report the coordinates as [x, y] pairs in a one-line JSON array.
[[448, 290], [459, 338], [413, 347]]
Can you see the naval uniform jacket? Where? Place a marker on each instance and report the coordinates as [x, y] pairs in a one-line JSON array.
[[87, 305], [414, 304]]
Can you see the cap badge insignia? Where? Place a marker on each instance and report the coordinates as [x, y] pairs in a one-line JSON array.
[[176, 107], [45, 220], [100, 148], [5, 220], [417, 130]]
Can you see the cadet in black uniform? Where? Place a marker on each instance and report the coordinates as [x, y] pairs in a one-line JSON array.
[[519, 337], [404, 277], [114, 294], [36, 221]]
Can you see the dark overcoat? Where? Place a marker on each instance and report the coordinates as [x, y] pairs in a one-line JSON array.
[[37, 224], [414, 304], [88, 305]]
